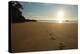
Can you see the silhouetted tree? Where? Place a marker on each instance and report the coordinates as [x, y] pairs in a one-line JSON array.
[[15, 14]]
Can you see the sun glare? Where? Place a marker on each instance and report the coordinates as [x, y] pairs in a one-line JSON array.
[[60, 16]]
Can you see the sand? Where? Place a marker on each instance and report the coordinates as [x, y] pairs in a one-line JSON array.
[[39, 36]]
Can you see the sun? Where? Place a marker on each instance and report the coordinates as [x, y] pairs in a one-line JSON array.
[[60, 16], [60, 21]]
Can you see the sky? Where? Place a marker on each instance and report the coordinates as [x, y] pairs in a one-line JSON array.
[[48, 11]]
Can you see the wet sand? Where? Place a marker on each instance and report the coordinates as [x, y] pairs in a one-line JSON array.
[[39, 36]]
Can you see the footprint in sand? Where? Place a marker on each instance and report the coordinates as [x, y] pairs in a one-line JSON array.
[[61, 45], [51, 36]]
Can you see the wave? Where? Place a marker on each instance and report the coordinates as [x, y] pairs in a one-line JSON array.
[[56, 21]]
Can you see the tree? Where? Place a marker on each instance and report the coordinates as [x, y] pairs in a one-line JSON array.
[[14, 12], [15, 15]]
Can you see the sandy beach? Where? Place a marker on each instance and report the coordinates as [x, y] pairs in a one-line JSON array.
[[39, 36]]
